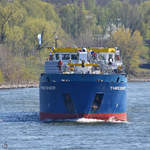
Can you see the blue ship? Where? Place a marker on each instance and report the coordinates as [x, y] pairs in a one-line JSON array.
[[83, 83]]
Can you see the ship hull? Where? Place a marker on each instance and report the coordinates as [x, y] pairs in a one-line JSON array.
[[75, 96]]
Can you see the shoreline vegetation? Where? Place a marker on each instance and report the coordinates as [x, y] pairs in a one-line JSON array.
[[25, 35], [19, 85], [139, 80], [36, 84]]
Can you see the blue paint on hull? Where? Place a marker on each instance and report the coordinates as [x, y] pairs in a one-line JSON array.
[[82, 89]]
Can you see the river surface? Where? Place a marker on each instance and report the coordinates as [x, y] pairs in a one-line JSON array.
[[20, 128]]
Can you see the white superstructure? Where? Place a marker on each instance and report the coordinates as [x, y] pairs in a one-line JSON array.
[[92, 61]]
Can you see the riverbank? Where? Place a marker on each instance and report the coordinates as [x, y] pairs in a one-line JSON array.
[[138, 80], [36, 84], [20, 85]]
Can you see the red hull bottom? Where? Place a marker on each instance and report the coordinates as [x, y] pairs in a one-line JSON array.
[[100, 116]]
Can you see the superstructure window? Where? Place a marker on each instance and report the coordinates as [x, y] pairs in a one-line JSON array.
[[57, 56], [110, 56], [102, 57], [74, 56], [65, 56]]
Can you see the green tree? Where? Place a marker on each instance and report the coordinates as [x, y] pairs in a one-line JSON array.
[[76, 19], [21, 22], [34, 8], [32, 27], [130, 16], [69, 18], [1, 77], [115, 7], [103, 18], [90, 5], [10, 14], [145, 29], [15, 40], [131, 46]]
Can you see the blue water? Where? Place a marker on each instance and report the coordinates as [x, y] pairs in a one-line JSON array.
[[20, 128]]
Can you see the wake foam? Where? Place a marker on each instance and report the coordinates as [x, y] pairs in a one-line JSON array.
[[35, 117], [86, 120]]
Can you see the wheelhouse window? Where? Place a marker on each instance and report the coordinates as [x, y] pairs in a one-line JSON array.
[[110, 56], [102, 57], [65, 56], [57, 56], [74, 57]]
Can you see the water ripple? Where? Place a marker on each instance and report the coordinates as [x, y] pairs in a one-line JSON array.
[[19, 117], [35, 117]]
